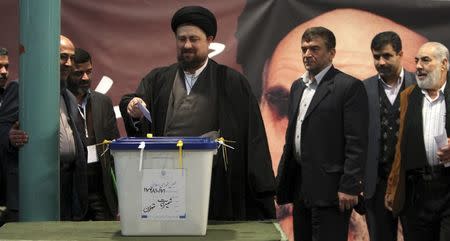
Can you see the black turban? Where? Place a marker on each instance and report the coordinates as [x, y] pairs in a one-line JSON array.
[[198, 16]]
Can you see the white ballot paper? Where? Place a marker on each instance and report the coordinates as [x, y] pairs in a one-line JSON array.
[[145, 112], [163, 194], [92, 154], [441, 141]]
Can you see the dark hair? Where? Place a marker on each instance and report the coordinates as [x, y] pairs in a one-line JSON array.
[[384, 38], [3, 51], [81, 56], [323, 33]]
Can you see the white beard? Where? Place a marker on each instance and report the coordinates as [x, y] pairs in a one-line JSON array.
[[431, 81]]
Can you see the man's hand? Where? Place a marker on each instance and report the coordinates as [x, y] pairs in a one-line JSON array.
[[346, 201], [133, 109], [444, 153], [17, 137]]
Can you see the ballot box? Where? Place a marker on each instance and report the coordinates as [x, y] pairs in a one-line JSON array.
[[163, 184]]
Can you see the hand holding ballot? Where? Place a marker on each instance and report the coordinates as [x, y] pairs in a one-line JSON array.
[[133, 108], [444, 150]]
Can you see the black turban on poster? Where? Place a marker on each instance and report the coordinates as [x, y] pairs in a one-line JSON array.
[[198, 16]]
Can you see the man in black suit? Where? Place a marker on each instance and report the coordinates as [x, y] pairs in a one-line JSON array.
[[97, 112], [383, 91], [322, 165], [9, 111]]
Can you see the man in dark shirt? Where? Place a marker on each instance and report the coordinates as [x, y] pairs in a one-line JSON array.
[[99, 122]]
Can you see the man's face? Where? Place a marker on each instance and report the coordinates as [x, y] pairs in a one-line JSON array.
[[79, 81], [67, 52], [387, 61], [429, 69], [192, 47], [316, 56], [4, 64]]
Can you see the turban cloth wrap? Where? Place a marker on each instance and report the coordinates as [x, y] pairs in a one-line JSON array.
[[197, 16]]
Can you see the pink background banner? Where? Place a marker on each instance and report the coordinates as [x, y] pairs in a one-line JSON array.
[[260, 38]]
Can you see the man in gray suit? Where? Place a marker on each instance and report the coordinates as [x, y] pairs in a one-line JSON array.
[[383, 91]]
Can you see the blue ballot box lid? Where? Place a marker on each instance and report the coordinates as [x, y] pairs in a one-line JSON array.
[[164, 143]]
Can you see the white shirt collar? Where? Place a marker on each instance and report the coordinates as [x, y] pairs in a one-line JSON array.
[[306, 78], [399, 81], [440, 93]]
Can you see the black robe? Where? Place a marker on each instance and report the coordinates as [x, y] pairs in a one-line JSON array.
[[245, 191]]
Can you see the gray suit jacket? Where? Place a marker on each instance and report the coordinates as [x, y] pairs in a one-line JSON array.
[[371, 85]]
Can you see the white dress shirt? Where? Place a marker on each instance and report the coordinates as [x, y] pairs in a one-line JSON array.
[[190, 79], [433, 114], [392, 90], [308, 94]]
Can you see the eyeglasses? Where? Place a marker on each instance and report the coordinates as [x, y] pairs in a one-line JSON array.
[[65, 57]]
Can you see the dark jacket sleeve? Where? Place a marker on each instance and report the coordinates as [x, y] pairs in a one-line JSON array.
[[131, 126], [9, 112], [136, 127], [356, 137], [111, 121]]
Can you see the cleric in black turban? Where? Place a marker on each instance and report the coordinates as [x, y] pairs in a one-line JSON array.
[[198, 16]]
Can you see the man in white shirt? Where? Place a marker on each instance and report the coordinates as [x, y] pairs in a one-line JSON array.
[[322, 165], [383, 91], [419, 183]]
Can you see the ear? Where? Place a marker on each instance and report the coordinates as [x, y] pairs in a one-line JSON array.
[[445, 64], [400, 53], [332, 53], [210, 39]]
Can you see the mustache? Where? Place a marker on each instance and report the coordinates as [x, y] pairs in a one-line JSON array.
[[85, 81], [187, 51], [67, 68], [421, 72]]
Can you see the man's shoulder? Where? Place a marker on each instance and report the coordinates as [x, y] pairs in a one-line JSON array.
[[341, 76], [72, 100], [161, 70], [373, 78], [230, 72], [233, 78], [70, 94], [409, 77], [97, 96], [12, 85], [371, 82], [407, 92]]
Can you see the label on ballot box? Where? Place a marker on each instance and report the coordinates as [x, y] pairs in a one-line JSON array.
[[163, 194]]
